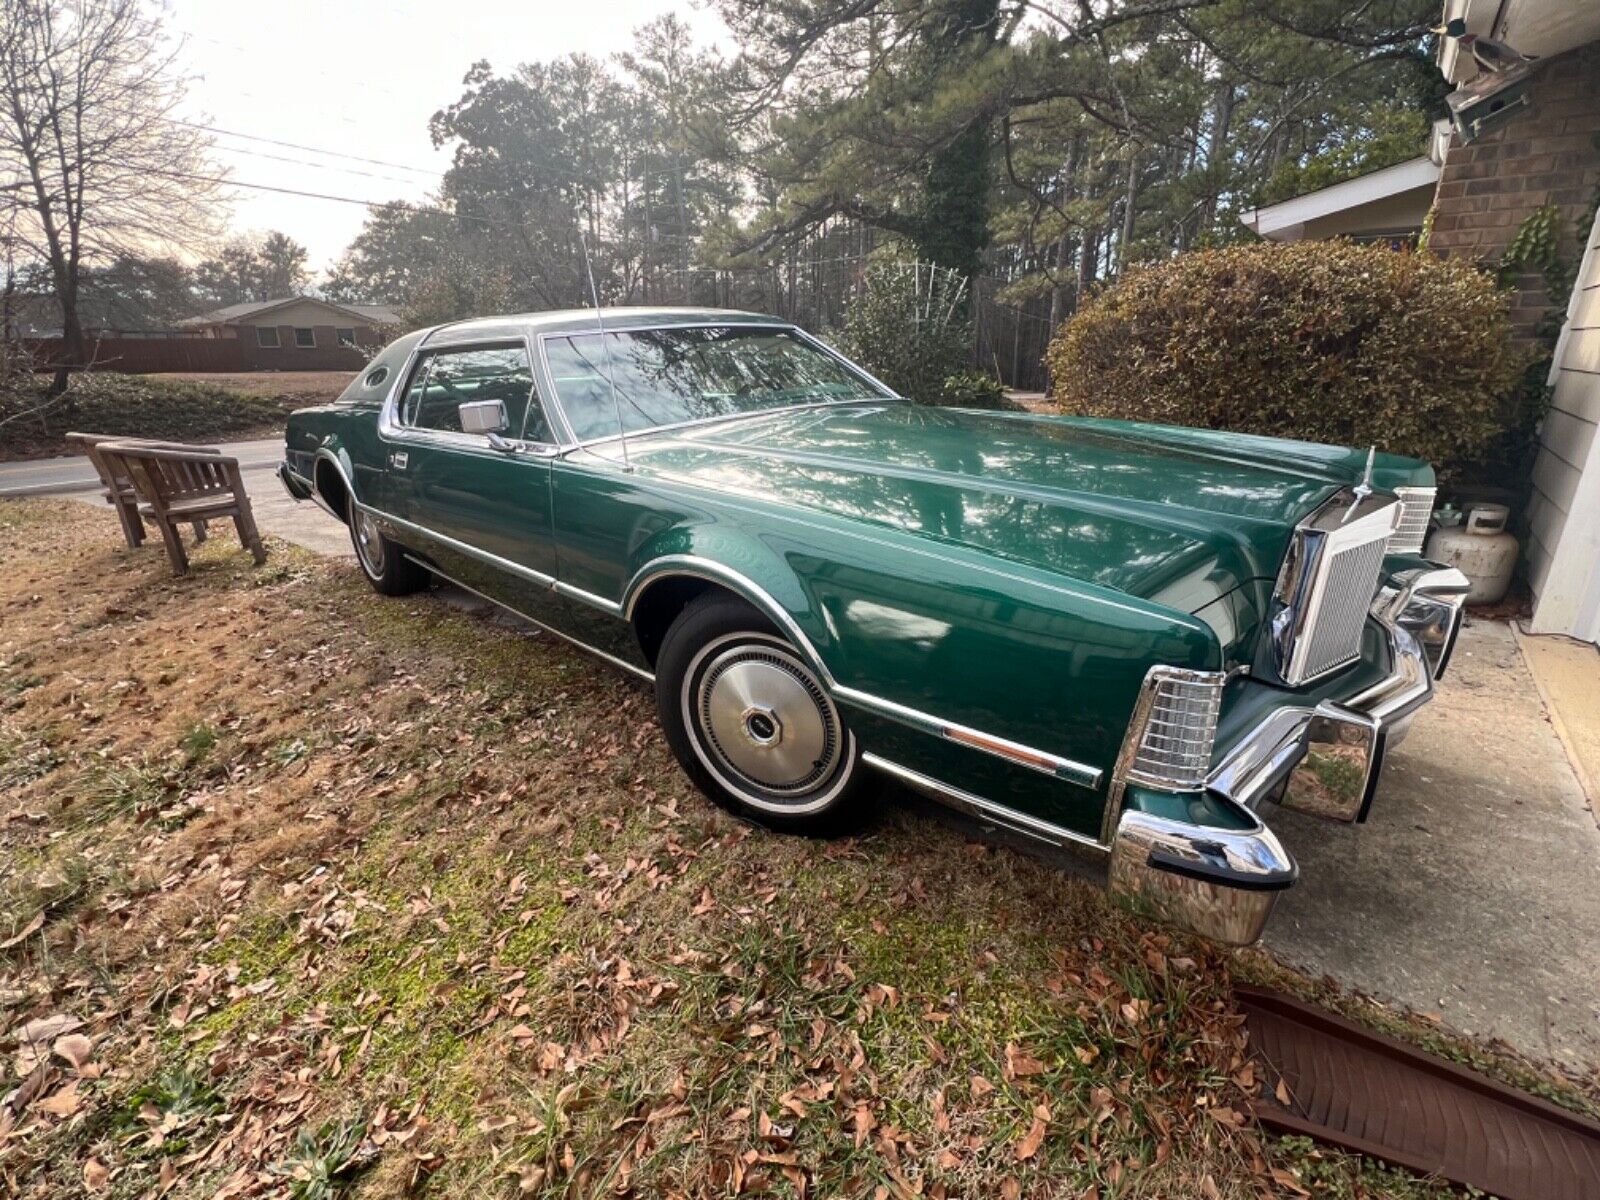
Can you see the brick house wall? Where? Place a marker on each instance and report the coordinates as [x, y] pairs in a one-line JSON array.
[[326, 355], [1547, 154]]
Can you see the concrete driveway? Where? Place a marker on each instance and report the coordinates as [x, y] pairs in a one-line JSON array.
[[1470, 893], [1473, 890]]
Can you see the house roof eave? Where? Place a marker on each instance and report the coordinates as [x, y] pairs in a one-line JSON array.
[[1365, 189]]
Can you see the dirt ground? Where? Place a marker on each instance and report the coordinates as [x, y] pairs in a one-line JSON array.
[[300, 884]]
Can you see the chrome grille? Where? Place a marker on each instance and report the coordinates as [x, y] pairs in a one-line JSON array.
[[1333, 636], [1175, 749], [1416, 507]]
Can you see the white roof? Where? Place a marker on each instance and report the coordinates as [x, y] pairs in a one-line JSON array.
[[1352, 193]]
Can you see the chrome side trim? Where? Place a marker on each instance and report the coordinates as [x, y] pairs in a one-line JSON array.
[[647, 676], [538, 578], [975, 739], [986, 810], [576, 593]]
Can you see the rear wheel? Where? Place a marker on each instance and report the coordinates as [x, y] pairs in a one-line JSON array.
[[382, 561], [751, 722]]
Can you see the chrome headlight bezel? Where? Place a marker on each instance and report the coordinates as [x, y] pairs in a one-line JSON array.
[[1416, 510], [1174, 729]]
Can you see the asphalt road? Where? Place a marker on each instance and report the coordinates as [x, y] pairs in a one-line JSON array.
[[72, 473]]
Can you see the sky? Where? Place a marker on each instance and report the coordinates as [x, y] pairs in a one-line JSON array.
[[361, 79]]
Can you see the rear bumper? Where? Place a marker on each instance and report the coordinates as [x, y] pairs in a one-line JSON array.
[[1323, 759], [298, 488]]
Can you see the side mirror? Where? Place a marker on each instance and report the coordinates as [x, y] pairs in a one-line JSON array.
[[483, 416]]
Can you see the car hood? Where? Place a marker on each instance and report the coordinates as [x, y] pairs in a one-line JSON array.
[[1178, 516]]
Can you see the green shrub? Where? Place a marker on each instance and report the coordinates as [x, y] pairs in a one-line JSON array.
[[1322, 341], [973, 389], [909, 328], [32, 422]]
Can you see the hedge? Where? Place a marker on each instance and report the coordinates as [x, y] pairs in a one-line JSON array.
[[1334, 342]]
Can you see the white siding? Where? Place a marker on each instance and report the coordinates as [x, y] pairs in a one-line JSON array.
[[1564, 516]]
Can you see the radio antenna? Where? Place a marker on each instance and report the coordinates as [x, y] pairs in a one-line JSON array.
[[605, 348]]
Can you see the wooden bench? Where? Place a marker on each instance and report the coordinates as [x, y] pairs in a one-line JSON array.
[[119, 490], [182, 486]]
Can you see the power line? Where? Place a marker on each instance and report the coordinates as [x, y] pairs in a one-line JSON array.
[[252, 137], [306, 162]]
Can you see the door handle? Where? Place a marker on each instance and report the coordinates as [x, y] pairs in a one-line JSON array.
[[397, 460]]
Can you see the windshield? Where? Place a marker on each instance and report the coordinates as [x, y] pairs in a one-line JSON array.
[[689, 373]]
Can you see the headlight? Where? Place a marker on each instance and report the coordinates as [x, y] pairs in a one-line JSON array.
[[1416, 506], [1176, 724]]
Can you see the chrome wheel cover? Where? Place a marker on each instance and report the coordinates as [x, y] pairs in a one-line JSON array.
[[761, 722], [369, 543]]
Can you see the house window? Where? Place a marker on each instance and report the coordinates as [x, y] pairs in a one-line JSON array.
[[305, 338], [345, 337], [267, 336]]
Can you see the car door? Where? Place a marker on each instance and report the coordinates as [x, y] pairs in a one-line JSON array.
[[477, 505]]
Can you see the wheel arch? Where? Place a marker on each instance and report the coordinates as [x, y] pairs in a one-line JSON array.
[[330, 484], [664, 586]]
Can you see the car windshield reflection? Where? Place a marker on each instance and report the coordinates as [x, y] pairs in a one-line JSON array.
[[677, 375]]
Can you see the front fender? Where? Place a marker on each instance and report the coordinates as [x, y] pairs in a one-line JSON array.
[[745, 565]]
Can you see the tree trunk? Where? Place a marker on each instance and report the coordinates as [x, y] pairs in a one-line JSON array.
[[1065, 246], [1087, 264], [1130, 200], [1216, 148]]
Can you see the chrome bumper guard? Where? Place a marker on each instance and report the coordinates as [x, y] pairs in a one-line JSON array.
[[1323, 760], [297, 488], [1220, 883]]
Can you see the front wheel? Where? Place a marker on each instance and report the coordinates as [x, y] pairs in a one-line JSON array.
[[752, 724], [384, 564]]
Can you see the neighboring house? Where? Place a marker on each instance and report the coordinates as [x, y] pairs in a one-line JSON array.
[[300, 333], [1543, 151], [1388, 205]]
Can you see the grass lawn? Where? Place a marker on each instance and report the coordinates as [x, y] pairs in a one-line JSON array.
[[161, 407], [307, 888]]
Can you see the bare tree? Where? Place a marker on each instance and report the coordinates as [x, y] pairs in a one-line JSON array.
[[99, 164]]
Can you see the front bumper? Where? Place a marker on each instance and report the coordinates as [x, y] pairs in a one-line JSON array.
[[1222, 878]]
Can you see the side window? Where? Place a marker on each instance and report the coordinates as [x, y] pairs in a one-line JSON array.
[[448, 378]]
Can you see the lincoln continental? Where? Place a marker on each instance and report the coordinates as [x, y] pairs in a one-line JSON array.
[[1131, 641]]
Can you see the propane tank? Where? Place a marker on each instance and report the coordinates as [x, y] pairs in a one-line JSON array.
[[1481, 549]]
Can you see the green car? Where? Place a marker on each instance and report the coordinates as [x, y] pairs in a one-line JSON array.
[[1117, 638]]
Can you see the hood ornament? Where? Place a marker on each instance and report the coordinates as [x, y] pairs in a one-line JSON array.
[[1363, 489]]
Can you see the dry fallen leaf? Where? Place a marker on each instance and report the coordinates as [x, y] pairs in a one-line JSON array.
[[64, 1102], [1029, 1145], [95, 1175], [75, 1048], [27, 931], [1020, 1064]]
